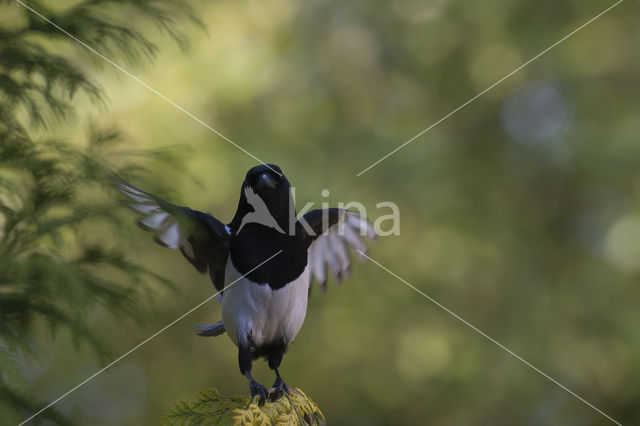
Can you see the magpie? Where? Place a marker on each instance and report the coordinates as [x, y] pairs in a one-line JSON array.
[[262, 262]]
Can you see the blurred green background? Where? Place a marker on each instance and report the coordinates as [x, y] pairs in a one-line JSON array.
[[521, 212]]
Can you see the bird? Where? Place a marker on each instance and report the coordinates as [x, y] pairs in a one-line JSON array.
[[262, 262], [260, 213]]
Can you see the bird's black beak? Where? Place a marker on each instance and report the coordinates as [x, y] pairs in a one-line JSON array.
[[266, 180]]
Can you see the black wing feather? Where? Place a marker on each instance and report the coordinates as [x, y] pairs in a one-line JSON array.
[[202, 239], [315, 220]]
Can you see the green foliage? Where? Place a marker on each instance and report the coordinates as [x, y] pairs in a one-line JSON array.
[[41, 82], [211, 408], [55, 270]]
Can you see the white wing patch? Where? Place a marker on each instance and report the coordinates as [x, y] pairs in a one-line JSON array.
[[154, 219], [330, 250]]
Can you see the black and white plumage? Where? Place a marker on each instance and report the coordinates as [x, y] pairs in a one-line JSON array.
[[263, 310]]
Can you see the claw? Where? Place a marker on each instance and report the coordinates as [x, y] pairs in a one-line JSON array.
[[258, 390], [278, 389]]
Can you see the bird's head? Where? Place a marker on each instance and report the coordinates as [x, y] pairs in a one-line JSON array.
[[267, 182]]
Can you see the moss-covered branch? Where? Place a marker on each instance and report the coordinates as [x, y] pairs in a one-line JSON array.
[[211, 408]]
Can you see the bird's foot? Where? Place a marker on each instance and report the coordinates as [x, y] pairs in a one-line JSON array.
[[258, 390], [278, 389]]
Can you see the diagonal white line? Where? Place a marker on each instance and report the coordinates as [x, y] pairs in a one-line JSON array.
[[145, 341], [123, 70], [490, 87], [467, 323]]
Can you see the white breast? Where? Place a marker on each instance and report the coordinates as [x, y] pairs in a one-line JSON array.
[[250, 309]]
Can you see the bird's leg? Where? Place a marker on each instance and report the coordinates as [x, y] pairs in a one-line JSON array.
[[275, 358], [279, 385], [245, 360], [257, 389]]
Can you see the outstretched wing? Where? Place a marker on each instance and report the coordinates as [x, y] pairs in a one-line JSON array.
[[202, 239], [329, 234]]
